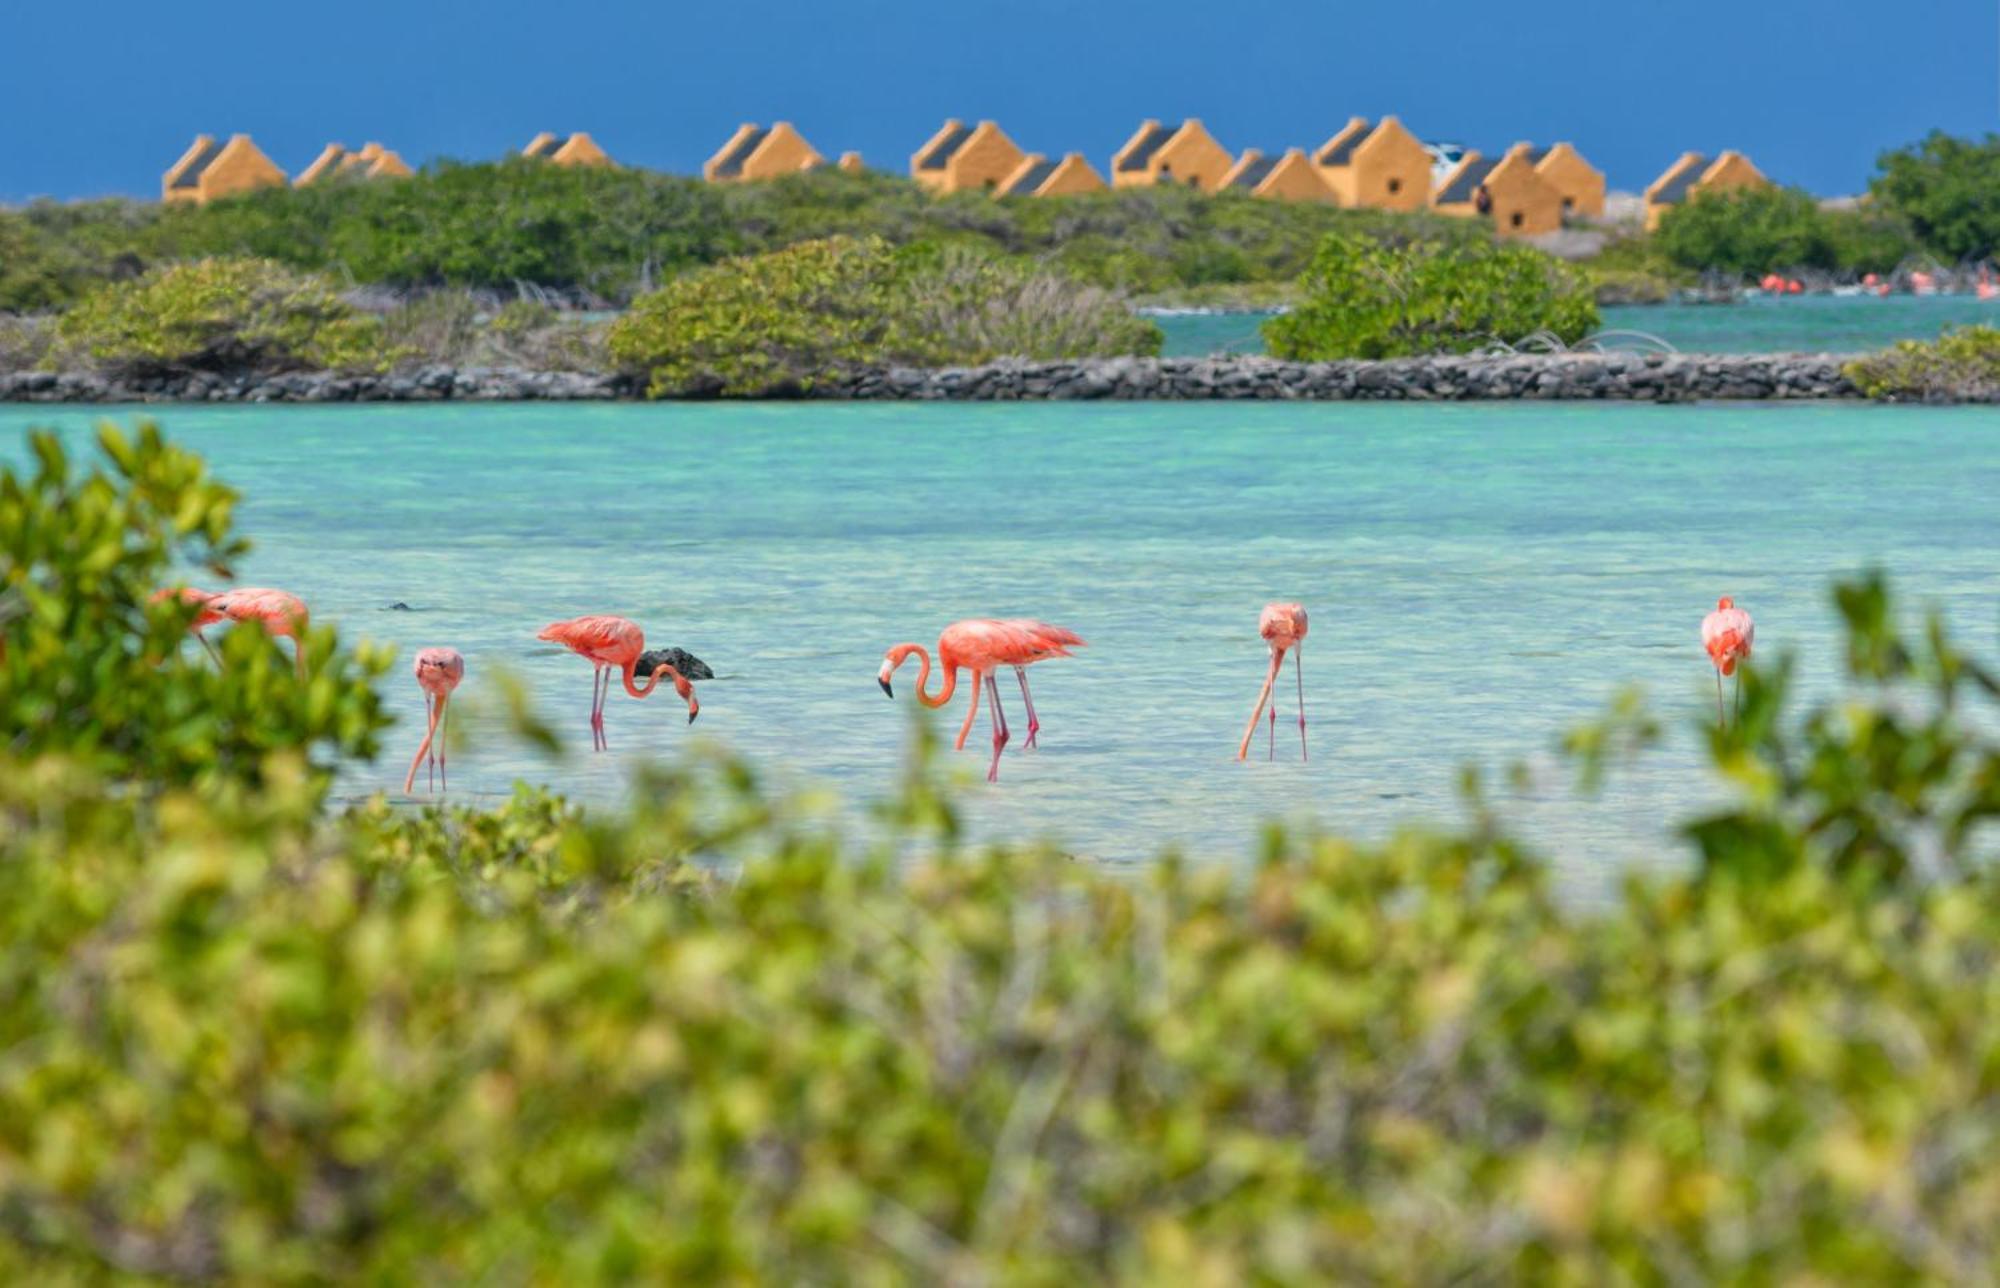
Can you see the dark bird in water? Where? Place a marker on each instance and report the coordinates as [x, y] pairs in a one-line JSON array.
[[678, 658]]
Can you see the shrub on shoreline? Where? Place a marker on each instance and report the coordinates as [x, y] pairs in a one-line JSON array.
[[1963, 364], [220, 315], [250, 1039], [1747, 232], [1364, 300], [788, 319]]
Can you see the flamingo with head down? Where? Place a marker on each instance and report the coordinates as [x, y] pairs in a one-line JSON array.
[[1283, 627], [1727, 634], [438, 672], [205, 613], [279, 612], [614, 644], [983, 645]]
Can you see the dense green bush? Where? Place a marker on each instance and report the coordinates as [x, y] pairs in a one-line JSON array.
[[1963, 364], [1363, 299], [1949, 191], [247, 1040], [220, 315], [614, 233], [787, 319], [1748, 232], [96, 672]]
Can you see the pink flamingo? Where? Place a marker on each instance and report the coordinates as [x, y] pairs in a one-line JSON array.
[[438, 671], [205, 613], [279, 612], [983, 645], [613, 644], [1727, 634], [1283, 627]]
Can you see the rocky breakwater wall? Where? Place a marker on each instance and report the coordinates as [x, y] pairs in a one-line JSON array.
[[1635, 377], [1632, 377], [422, 384]]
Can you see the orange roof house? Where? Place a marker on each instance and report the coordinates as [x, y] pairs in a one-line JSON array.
[[370, 161], [1037, 176], [762, 152], [1695, 174], [577, 149], [1171, 154], [1518, 200], [208, 170], [1579, 183], [1381, 165], [1290, 177], [960, 157]]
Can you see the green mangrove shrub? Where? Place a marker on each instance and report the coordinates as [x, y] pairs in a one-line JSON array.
[[98, 672], [1747, 232], [1944, 186], [1365, 299], [220, 315], [245, 1037], [785, 320], [1961, 365]]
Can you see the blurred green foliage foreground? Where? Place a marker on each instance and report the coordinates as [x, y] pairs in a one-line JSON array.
[[245, 1037]]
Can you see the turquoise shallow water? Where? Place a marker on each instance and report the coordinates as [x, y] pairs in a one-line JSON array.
[[1811, 324], [1479, 578]]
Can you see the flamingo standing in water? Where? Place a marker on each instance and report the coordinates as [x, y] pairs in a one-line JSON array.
[[1727, 634], [613, 644], [983, 645], [1283, 627], [438, 672], [279, 612], [205, 613]]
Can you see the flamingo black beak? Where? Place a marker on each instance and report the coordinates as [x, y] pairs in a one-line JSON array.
[[692, 714], [885, 686]]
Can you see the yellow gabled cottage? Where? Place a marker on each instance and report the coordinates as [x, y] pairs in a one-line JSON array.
[[1695, 174], [208, 170], [1382, 165], [1506, 190], [1184, 154], [762, 152], [961, 157], [1290, 177], [1579, 183], [1037, 176], [577, 149], [370, 161]]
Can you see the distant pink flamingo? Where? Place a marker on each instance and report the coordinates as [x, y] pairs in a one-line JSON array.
[[1727, 634], [1283, 627], [613, 644], [438, 672], [279, 612], [205, 613], [983, 645]]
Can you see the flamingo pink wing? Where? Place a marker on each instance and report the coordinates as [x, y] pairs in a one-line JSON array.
[[601, 636]]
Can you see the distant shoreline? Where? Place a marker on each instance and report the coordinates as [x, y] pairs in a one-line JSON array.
[[1561, 377]]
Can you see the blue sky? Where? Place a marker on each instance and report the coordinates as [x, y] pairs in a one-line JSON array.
[[101, 98]]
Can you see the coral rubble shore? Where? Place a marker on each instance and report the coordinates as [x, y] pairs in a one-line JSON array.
[[1634, 377]]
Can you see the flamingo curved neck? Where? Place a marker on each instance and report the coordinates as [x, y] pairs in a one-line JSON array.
[[924, 678], [652, 681]]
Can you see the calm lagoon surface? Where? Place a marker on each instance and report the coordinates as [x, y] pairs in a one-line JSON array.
[[1479, 578]]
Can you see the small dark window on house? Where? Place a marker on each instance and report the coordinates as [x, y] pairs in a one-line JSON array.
[[1569, 204], [1194, 181], [1395, 185], [1516, 219]]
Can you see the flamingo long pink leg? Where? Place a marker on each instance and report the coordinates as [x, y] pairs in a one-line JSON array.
[[998, 719], [423, 748], [1298, 669], [1718, 698], [1256, 712], [444, 739], [603, 697], [1034, 725], [209, 647], [972, 710]]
